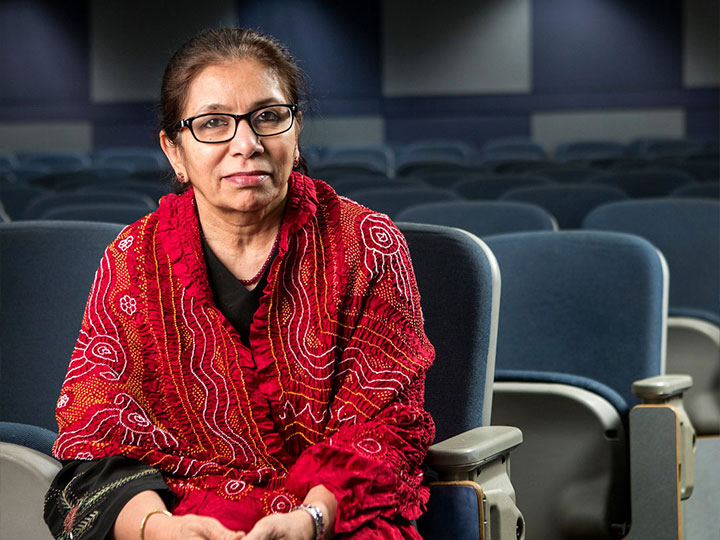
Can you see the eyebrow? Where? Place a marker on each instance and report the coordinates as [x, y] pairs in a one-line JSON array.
[[213, 107]]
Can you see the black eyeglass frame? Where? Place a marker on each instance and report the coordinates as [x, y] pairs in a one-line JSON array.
[[187, 122]]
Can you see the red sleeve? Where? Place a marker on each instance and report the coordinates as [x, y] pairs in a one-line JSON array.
[[379, 430]]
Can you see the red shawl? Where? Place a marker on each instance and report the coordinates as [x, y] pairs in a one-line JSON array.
[[330, 391]]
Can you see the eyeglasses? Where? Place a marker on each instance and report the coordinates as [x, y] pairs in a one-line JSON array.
[[221, 127]]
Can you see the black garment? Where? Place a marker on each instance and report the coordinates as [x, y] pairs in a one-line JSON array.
[[235, 302], [86, 497]]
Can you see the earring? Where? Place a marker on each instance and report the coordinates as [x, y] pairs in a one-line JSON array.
[[181, 178], [296, 162]]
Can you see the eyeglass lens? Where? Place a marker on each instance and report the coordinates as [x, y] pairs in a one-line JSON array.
[[222, 127]]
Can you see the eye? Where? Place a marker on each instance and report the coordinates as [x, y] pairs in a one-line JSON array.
[[268, 116], [211, 122]]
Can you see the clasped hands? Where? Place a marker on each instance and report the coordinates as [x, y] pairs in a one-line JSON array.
[[296, 525]]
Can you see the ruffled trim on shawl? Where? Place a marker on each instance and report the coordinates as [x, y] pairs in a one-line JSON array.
[[364, 488]]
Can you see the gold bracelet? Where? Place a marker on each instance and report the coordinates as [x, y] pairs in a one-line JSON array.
[[144, 521]]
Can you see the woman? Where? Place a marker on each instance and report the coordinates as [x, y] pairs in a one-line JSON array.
[[251, 363]]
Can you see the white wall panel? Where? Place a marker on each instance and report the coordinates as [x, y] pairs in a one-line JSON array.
[[461, 47], [46, 136], [132, 40], [343, 131], [551, 128], [701, 43]]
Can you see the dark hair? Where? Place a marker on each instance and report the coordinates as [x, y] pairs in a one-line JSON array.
[[221, 46]]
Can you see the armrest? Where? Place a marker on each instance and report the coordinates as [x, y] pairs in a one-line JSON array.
[[484, 450], [661, 388], [472, 449]]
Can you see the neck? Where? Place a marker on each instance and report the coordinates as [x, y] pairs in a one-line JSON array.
[[242, 242], [240, 230]]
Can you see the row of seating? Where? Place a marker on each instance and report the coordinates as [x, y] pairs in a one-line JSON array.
[[392, 160], [543, 331], [568, 203]]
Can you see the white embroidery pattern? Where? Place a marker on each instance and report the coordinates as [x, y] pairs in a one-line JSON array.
[[62, 401], [102, 352], [281, 505], [128, 304], [124, 245], [234, 487], [386, 251], [369, 446], [126, 416], [203, 366]]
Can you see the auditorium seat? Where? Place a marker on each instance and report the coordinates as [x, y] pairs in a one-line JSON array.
[[374, 158], [493, 187], [643, 183], [582, 318], [589, 151], [38, 207], [55, 161], [15, 197], [568, 203], [481, 218], [687, 231], [45, 280], [356, 183], [391, 201], [114, 212], [701, 190], [459, 286]]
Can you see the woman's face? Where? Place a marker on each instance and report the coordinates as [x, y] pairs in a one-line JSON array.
[[248, 173]]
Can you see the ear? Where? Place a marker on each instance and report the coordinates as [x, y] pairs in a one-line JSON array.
[[173, 152]]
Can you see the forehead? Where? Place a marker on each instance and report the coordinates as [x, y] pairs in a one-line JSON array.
[[238, 85]]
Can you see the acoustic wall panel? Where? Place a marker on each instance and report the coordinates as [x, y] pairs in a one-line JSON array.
[[551, 128], [132, 40], [342, 131], [46, 136], [701, 44], [465, 47]]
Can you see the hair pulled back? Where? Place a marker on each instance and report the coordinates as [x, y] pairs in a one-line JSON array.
[[222, 46]]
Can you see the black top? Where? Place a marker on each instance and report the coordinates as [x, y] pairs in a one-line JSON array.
[[235, 302], [95, 492]]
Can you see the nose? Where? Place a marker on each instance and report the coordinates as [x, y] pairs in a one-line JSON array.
[[245, 142]]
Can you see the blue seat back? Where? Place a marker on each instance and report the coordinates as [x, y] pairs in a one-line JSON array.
[[643, 183], [459, 286], [687, 231], [391, 201], [117, 212], [45, 277], [568, 203], [583, 307], [481, 218], [494, 187]]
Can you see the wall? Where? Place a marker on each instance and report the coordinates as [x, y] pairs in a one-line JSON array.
[[86, 74]]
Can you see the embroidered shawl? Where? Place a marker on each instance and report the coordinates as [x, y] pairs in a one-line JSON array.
[[329, 392]]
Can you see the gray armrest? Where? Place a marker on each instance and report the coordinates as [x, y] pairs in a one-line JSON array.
[[470, 450], [661, 387], [485, 449]]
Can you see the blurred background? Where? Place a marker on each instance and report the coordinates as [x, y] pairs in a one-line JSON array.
[[85, 75]]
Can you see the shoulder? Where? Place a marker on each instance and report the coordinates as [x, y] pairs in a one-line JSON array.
[[356, 221]]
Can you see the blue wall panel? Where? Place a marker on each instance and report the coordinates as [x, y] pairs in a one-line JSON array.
[[43, 53], [337, 44], [606, 45]]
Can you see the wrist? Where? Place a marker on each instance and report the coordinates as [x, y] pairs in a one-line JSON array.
[[152, 523], [315, 513]]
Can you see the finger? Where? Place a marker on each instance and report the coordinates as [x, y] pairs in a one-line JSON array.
[[214, 530]]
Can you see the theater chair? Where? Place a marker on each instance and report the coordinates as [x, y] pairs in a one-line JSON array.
[[459, 284], [687, 232], [608, 448], [45, 276]]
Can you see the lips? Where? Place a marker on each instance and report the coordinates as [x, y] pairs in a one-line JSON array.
[[246, 178]]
